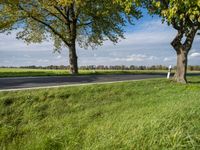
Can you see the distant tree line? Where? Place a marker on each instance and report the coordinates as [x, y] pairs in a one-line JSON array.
[[105, 67]]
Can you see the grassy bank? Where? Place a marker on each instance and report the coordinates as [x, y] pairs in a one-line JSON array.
[[155, 114], [15, 72]]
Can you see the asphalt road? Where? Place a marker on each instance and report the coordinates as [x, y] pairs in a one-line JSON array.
[[31, 82]]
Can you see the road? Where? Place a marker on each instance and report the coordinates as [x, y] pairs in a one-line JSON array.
[[33, 82]]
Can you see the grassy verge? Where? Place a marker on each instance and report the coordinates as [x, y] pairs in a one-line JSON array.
[[13, 72], [154, 114]]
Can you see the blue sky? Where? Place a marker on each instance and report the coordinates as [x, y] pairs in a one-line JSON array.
[[146, 43]]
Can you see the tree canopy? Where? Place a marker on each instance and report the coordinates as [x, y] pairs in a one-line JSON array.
[[184, 16], [96, 20], [66, 22]]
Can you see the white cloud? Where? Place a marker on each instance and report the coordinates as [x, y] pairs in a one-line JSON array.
[[147, 44], [169, 59], [136, 58], [59, 57], [42, 60], [195, 55], [10, 43], [198, 37], [150, 33], [27, 56]]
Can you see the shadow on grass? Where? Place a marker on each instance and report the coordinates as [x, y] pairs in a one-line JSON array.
[[194, 82]]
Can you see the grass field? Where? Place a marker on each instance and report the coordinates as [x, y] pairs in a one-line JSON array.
[[15, 72], [154, 114], [18, 72]]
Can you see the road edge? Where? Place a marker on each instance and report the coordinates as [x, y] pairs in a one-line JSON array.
[[74, 85]]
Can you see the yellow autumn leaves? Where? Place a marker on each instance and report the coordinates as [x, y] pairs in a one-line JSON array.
[[180, 9], [69, 2]]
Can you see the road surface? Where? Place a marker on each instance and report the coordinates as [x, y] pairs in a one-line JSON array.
[[33, 82]]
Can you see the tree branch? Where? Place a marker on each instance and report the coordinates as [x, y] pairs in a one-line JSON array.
[[190, 38], [51, 28], [176, 43], [53, 14], [46, 24], [64, 16]]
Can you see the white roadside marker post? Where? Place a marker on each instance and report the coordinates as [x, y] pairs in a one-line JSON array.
[[94, 69], [169, 72]]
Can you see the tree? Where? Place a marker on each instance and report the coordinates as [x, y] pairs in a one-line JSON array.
[[66, 22], [184, 16]]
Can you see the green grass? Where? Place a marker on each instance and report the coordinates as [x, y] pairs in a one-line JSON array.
[[154, 114], [15, 72], [18, 72]]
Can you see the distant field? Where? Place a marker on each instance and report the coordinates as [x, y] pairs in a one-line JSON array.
[[155, 114], [14, 72]]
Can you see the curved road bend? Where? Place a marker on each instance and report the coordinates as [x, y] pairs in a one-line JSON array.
[[31, 82]]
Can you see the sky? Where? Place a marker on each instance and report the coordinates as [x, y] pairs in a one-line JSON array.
[[147, 43]]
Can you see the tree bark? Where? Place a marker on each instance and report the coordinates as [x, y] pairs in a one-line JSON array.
[[72, 27], [181, 70], [182, 51], [73, 59]]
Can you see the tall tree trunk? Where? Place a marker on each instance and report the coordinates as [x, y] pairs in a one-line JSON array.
[[182, 50], [73, 59], [182, 60]]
